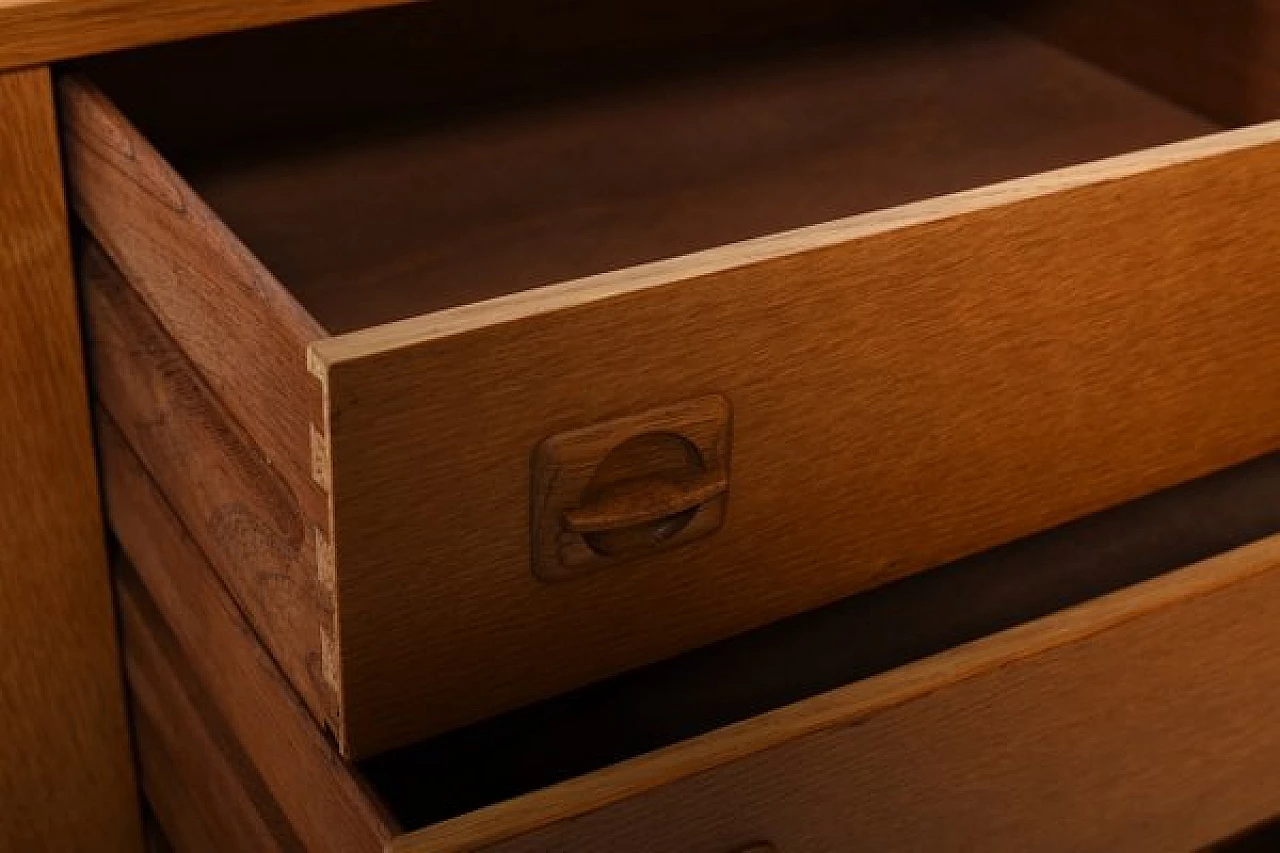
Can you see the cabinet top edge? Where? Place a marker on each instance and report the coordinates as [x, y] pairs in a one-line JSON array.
[[36, 32]]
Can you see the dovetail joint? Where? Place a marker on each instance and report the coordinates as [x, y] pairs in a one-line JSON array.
[[329, 658], [320, 467], [326, 564]]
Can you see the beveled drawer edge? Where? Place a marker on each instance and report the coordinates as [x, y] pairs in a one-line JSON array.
[[847, 706], [327, 353]]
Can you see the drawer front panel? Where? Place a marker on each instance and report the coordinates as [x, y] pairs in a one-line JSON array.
[[906, 388], [1140, 721]]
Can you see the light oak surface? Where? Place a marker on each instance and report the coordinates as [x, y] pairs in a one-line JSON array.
[[66, 778], [912, 385], [1144, 714], [1222, 59]]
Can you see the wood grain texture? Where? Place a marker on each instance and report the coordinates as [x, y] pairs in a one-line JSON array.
[[1222, 59], [243, 332], [326, 806], [908, 387], [1138, 721], [197, 781], [242, 513], [794, 659], [66, 779], [39, 31], [574, 186]]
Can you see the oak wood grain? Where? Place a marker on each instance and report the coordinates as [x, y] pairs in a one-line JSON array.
[[238, 326], [805, 655], [908, 387], [326, 806], [237, 507], [197, 781], [66, 781], [1139, 721]]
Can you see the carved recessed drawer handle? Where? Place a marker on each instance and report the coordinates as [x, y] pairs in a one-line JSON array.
[[758, 847], [632, 503], [629, 487]]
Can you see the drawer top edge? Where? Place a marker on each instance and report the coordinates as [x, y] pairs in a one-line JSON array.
[[326, 354]]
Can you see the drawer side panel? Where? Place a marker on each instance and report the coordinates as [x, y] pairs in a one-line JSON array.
[[324, 803], [238, 508], [240, 328]]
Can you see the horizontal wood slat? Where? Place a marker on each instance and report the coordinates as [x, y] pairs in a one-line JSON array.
[[195, 777], [236, 506], [326, 806]]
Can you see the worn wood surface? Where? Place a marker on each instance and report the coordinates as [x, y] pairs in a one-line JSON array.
[[1222, 59], [327, 807], [1138, 721], [66, 781], [911, 386], [243, 514], [37, 31], [197, 780], [240, 328]]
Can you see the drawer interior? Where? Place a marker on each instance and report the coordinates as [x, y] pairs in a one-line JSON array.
[[660, 705], [432, 156]]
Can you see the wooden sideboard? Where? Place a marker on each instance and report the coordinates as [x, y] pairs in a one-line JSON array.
[[66, 775], [319, 500]]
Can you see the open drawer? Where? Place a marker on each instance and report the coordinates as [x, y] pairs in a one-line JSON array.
[[687, 326], [1142, 719]]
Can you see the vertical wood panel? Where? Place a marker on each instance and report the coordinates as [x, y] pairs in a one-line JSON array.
[[66, 781]]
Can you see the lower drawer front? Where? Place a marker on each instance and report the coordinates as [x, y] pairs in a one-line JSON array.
[[1142, 720]]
